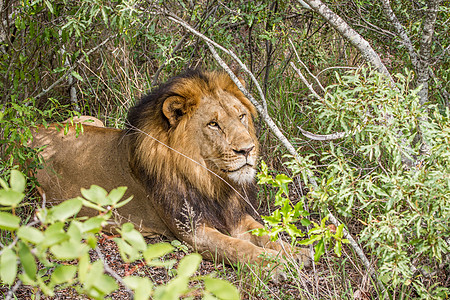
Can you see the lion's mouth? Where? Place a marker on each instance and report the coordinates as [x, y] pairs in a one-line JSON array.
[[237, 169]]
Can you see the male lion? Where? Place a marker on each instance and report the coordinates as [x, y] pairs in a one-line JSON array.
[[188, 157]]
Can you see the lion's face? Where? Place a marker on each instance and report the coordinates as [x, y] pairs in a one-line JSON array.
[[223, 130]]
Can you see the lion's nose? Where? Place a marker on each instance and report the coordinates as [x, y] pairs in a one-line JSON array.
[[244, 151]]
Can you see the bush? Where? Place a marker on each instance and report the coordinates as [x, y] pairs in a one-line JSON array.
[[405, 210]]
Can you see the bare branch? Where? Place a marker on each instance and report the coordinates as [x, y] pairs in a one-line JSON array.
[[423, 75], [308, 85], [304, 66], [401, 32], [323, 137], [231, 53]]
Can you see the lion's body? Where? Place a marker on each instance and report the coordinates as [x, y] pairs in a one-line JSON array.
[[94, 157], [188, 158]]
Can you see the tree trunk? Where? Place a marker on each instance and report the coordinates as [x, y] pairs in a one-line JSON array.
[[422, 71]]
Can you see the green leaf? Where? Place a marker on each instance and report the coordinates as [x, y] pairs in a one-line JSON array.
[[17, 181], [127, 252], [83, 267], [69, 250], [8, 266], [116, 194], [63, 274], [173, 290], [53, 238], [93, 225], [260, 231], [281, 178], [221, 289], [340, 231], [10, 197], [189, 264], [98, 284], [156, 251], [338, 248], [319, 250], [3, 184], [76, 75], [65, 210], [44, 287], [142, 287], [8, 221], [30, 234], [27, 260], [49, 6], [133, 237], [305, 222], [122, 203], [97, 195]]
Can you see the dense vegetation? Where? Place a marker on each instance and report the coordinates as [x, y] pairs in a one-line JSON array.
[[386, 177]]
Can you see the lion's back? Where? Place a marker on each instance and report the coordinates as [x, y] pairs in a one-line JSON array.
[[76, 158]]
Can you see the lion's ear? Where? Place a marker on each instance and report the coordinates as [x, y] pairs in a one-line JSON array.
[[175, 107]]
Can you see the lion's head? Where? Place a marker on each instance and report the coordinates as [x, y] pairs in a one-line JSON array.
[[195, 135], [203, 125]]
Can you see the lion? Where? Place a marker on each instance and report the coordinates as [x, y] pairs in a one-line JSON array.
[[188, 157]]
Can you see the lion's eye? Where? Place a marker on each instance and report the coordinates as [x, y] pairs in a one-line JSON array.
[[242, 117], [213, 124]]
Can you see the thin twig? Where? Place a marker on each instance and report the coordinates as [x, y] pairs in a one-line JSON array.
[[45, 91], [13, 290], [304, 66], [308, 85], [358, 251], [336, 67], [112, 272]]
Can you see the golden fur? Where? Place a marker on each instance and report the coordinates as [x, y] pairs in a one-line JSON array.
[[188, 156]]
